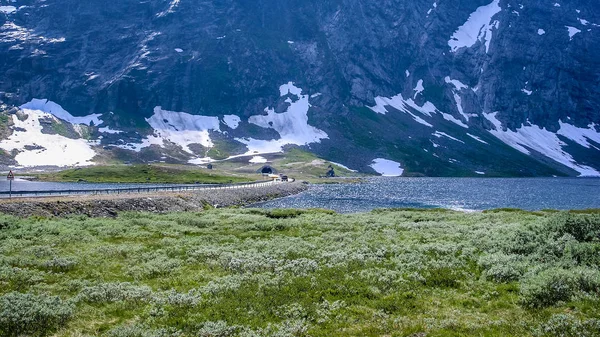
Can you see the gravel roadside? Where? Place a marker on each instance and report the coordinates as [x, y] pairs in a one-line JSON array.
[[162, 202]]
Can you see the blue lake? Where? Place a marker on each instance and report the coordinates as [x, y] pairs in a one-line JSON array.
[[453, 193]]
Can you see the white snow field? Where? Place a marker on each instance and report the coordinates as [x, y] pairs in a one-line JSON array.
[[439, 134], [477, 138], [258, 160], [232, 121], [343, 166], [580, 135], [572, 31], [179, 128], [56, 110], [399, 103], [458, 87], [38, 149], [8, 9], [428, 109], [533, 137], [292, 125], [387, 168], [479, 27]]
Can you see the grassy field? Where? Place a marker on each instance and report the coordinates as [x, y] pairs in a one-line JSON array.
[[175, 174], [295, 163], [302, 273]]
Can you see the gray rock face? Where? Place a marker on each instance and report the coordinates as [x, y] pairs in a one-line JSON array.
[[534, 63]]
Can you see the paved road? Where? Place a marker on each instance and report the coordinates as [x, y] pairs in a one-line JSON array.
[[174, 188]]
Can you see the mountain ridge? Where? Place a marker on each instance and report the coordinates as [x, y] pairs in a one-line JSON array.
[[446, 88]]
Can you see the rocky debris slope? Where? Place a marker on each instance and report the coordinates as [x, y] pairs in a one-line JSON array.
[[98, 206]]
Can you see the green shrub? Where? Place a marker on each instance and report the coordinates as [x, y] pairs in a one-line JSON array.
[[139, 330], [585, 253], [18, 278], [501, 267], [6, 221], [521, 241], [547, 288], [156, 267], [584, 227], [216, 329], [27, 314], [284, 213], [115, 292], [554, 285], [60, 265], [565, 325]]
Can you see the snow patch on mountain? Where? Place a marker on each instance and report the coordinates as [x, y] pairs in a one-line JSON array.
[[479, 27], [477, 138], [454, 120], [419, 88], [57, 111], [39, 149], [179, 128], [292, 125], [580, 135], [572, 31], [532, 137], [439, 134], [428, 109], [8, 9], [258, 160], [387, 168], [109, 131], [344, 167], [232, 121], [458, 86], [399, 103]]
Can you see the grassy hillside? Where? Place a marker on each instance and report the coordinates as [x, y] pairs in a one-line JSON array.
[[302, 273], [143, 174]]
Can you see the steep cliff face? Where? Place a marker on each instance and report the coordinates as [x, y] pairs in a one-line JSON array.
[[496, 87]]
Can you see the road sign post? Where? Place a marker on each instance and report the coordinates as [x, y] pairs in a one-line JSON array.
[[10, 177]]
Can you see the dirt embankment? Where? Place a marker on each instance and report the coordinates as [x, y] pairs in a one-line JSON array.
[[110, 206]]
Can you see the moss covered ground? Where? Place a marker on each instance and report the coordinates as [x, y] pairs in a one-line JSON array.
[[245, 272]]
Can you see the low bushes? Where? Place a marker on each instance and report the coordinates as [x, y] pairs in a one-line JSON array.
[[551, 286], [584, 227], [35, 315], [226, 272], [115, 292], [566, 325]]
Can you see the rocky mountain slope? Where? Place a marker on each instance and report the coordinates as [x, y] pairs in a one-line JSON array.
[[451, 87]]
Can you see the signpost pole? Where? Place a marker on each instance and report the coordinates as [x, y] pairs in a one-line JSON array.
[[10, 177]]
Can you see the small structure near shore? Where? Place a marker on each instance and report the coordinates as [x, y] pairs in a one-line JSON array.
[[330, 172]]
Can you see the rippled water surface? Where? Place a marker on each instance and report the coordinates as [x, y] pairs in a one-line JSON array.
[[453, 193]]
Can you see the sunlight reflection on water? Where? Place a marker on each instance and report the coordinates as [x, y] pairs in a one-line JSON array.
[[453, 193]]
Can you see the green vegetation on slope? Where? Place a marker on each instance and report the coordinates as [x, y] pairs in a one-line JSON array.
[[142, 174], [302, 273]]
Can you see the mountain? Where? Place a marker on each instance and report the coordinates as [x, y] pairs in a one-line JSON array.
[[444, 88]]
